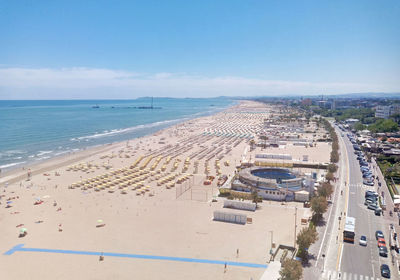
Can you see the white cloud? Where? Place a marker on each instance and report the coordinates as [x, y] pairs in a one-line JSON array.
[[21, 83]]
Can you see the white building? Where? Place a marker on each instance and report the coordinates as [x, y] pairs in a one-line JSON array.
[[382, 112]]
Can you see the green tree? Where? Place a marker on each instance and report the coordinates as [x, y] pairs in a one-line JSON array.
[[359, 126], [291, 270], [325, 189], [329, 176], [382, 125], [305, 238], [319, 205], [332, 168], [255, 197]]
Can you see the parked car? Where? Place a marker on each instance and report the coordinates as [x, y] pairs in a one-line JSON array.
[[381, 242], [371, 193], [383, 252], [379, 234], [370, 200], [385, 271], [368, 182], [373, 206], [378, 211], [367, 176], [363, 240]]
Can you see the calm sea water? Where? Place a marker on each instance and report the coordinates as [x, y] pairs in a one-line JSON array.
[[31, 131]]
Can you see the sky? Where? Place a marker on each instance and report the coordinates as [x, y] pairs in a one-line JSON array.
[[127, 49]]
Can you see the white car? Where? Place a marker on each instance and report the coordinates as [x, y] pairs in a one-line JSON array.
[[363, 240]]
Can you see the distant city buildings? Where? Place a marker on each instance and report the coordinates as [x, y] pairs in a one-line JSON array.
[[384, 112]]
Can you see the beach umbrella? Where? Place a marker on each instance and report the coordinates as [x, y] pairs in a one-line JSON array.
[[9, 202], [99, 221], [23, 230]]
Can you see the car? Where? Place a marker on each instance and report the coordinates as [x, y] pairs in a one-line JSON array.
[[383, 251], [363, 163], [385, 271], [363, 240], [373, 206], [370, 199], [379, 234], [368, 183], [367, 176], [381, 242], [378, 211], [371, 193]]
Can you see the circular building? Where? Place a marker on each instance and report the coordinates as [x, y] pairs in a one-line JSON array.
[[270, 182]]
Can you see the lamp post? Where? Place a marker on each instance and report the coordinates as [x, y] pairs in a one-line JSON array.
[[295, 225]]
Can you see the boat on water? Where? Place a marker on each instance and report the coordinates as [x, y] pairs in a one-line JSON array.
[[95, 106], [148, 107]]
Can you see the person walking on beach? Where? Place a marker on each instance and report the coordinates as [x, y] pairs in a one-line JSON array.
[[225, 267]]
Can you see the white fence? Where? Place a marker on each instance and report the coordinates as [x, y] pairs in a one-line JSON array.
[[274, 156], [240, 205], [230, 217]]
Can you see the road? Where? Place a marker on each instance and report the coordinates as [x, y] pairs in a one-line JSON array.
[[355, 258], [344, 260]]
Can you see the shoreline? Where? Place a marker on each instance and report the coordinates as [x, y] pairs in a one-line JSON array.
[[17, 173], [119, 133]]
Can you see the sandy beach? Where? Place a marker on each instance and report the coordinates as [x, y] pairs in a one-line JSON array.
[[146, 198]]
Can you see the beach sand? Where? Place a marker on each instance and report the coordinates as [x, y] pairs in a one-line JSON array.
[[159, 221]]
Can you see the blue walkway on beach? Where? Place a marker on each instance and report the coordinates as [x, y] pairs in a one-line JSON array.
[[21, 248]]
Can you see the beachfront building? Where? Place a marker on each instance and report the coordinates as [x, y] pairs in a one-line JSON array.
[[272, 183]]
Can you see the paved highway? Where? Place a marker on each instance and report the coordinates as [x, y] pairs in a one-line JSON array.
[[355, 259]]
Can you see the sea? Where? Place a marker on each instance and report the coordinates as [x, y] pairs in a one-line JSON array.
[[35, 130]]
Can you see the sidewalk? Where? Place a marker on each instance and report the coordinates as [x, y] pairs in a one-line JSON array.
[[325, 250]]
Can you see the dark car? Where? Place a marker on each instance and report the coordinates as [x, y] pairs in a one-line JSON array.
[[373, 206], [371, 194], [379, 234], [385, 271], [368, 182], [367, 176], [370, 200], [383, 251]]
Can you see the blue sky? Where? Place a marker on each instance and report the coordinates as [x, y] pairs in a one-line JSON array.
[[110, 49]]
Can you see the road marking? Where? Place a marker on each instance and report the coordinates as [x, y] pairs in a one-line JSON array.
[[338, 275], [21, 248]]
